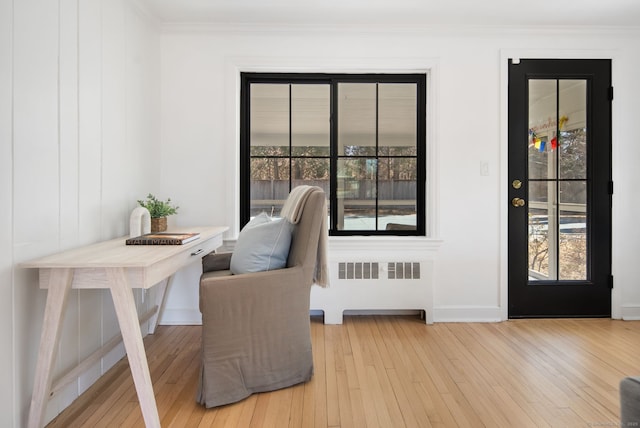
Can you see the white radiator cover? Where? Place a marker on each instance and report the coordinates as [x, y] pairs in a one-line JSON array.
[[377, 274]]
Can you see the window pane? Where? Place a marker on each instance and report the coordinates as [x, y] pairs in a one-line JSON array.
[[573, 230], [397, 119], [542, 127], [539, 213], [397, 193], [310, 171], [310, 124], [356, 119], [269, 185], [356, 197], [269, 121], [572, 125]]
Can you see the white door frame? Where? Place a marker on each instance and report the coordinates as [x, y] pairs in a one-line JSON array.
[[516, 54]]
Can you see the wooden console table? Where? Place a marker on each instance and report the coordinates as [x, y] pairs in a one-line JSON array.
[[120, 268]]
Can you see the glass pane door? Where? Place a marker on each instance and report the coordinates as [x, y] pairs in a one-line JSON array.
[[559, 188]]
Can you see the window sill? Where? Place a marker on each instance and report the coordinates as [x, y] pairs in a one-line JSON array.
[[383, 243]]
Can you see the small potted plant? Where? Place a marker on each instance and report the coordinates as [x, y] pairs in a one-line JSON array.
[[159, 210]]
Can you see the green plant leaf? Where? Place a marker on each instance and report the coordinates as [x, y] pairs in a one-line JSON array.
[[158, 208]]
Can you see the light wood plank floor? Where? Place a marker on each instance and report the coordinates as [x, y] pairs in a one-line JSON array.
[[396, 372]]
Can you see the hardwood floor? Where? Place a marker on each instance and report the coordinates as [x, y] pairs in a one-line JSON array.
[[395, 372]]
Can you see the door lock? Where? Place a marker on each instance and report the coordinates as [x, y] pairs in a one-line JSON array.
[[516, 184], [517, 202]]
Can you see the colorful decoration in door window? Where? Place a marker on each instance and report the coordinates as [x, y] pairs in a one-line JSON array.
[[563, 119], [540, 144], [535, 141]]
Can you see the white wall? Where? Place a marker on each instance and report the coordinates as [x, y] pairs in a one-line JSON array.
[[7, 401], [79, 109], [81, 125], [467, 128]]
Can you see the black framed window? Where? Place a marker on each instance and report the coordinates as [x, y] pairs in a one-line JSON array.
[[361, 137]]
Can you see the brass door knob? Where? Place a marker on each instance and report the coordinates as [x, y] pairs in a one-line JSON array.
[[517, 202]]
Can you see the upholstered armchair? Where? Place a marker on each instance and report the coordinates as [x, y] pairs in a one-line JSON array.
[[255, 325]]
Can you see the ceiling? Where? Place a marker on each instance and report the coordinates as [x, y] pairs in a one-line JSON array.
[[399, 13]]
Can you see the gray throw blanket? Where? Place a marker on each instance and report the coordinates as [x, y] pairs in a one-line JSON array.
[[292, 211]]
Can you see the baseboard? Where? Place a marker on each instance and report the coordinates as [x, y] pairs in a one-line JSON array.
[[181, 317], [631, 312], [440, 314], [467, 314]]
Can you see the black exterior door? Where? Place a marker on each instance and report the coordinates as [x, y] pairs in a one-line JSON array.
[[559, 188]]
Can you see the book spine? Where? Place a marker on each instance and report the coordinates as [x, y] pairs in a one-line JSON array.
[[161, 241]]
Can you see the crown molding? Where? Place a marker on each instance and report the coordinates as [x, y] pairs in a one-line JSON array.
[[368, 29]]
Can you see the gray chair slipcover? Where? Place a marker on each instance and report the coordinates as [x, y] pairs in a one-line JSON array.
[[630, 402], [255, 327]]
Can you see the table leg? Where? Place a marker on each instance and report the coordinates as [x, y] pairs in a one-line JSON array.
[[161, 293], [128, 319], [57, 296]]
